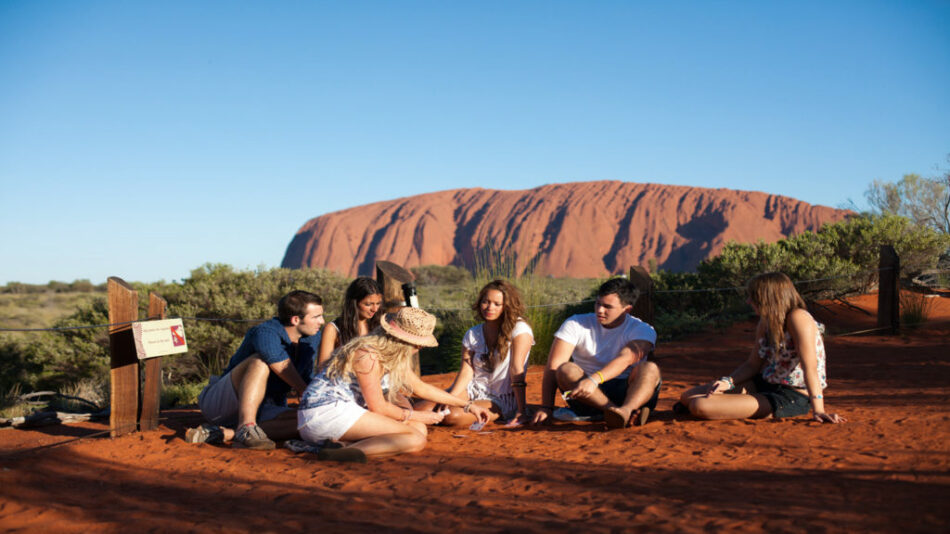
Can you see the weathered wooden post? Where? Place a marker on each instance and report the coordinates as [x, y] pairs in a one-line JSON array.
[[391, 277], [124, 364], [152, 390], [888, 292], [643, 309]]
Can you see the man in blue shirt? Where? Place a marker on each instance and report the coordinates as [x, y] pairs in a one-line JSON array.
[[275, 357]]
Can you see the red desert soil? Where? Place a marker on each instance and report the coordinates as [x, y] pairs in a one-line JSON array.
[[887, 469]]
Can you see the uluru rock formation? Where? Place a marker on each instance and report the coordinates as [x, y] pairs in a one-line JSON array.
[[587, 229]]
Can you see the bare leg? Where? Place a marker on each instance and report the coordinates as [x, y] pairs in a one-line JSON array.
[[641, 384], [378, 435], [569, 375], [459, 418], [249, 379], [730, 406]]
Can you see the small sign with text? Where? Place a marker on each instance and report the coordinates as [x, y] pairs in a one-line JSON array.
[[159, 338]]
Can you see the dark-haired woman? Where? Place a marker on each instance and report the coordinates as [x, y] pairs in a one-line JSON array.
[[784, 375], [360, 315], [494, 356]]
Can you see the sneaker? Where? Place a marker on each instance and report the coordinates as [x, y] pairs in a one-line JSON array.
[[206, 433], [250, 436]]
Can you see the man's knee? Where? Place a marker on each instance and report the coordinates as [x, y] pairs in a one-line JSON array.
[[648, 371], [568, 374], [252, 367]]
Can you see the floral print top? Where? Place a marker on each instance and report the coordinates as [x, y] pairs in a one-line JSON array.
[[785, 367]]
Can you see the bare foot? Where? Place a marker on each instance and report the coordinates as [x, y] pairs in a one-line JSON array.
[[616, 417]]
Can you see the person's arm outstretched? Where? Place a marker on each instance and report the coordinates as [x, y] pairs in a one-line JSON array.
[[560, 353], [632, 353], [429, 392], [520, 347], [746, 370], [804, 332]]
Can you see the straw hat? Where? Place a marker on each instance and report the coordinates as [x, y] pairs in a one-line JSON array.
[[412, 325]]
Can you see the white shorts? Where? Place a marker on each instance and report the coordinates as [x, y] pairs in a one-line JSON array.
[[329, 421], [219, 403], [507, 403]]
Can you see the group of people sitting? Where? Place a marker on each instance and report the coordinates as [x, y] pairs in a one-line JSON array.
[[359, 396]]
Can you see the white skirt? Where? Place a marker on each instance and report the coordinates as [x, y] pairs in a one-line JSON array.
[[329, 421]]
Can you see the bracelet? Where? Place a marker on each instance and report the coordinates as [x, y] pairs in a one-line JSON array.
[[728, 379], [468, 406], [602, 379], [520, 384], [591, 378], [408, 414], [817, 397]]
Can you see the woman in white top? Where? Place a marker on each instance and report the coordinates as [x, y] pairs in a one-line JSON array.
[[360, 315], [347, 402], [494, 356], [784, 374]]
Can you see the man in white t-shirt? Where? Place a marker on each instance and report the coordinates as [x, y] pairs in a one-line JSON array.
[[599, 361]]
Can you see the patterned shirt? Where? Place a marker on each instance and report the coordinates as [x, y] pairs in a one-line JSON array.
[[785, 367]]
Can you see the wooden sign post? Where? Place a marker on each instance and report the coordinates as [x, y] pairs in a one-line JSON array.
[[152, 390], [391, 277], [123, 362], [888, 292], [643, 309]]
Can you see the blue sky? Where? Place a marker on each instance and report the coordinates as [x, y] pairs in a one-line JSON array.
[[143, 139]]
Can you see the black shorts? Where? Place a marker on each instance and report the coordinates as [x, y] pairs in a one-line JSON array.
[[785, 401], [616, 390]]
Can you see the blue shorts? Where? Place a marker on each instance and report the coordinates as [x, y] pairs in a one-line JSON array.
[[616, 391]]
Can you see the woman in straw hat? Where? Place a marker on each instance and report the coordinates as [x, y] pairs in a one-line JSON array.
[[352, 399]]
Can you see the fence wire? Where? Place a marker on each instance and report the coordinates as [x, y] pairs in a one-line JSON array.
[[551, 305]]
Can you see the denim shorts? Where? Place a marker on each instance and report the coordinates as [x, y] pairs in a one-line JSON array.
[[616, 391], [785, 401]]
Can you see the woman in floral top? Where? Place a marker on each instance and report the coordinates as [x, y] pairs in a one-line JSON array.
[[785, 372]]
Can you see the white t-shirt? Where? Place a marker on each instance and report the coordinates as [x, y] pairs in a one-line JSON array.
[[596, 346], [495, 382]]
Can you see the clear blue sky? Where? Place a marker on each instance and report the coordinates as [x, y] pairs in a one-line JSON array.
[[143, 139]]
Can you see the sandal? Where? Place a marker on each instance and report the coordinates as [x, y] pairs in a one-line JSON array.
[[615, 419], [642, 416]]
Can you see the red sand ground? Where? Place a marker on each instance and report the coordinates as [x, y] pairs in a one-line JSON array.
[[887, 469]]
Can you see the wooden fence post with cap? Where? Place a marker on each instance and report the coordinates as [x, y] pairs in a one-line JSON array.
[[644, 308], [152, 389], [124, 363], [390, 278], [888, 292]]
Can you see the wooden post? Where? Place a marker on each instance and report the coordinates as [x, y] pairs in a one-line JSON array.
[[643, 309], [888, 293], [152, 390], [391, 277], [124, 363]]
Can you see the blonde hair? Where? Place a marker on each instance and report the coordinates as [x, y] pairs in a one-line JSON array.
[[775, 296], [394, 357]]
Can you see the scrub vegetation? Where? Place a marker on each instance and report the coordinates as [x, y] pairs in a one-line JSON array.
[[840, 259]]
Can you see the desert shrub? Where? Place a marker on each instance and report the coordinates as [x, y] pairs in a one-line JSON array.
[[183, 394], [847, 252], [916, 308]]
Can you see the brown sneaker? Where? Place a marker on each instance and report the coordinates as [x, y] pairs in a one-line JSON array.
[[250, 436]]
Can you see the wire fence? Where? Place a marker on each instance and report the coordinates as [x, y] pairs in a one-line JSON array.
[[464, 309]]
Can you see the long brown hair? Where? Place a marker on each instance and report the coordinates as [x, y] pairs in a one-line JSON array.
[[512, 310], [775, 296], [348, 321]]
